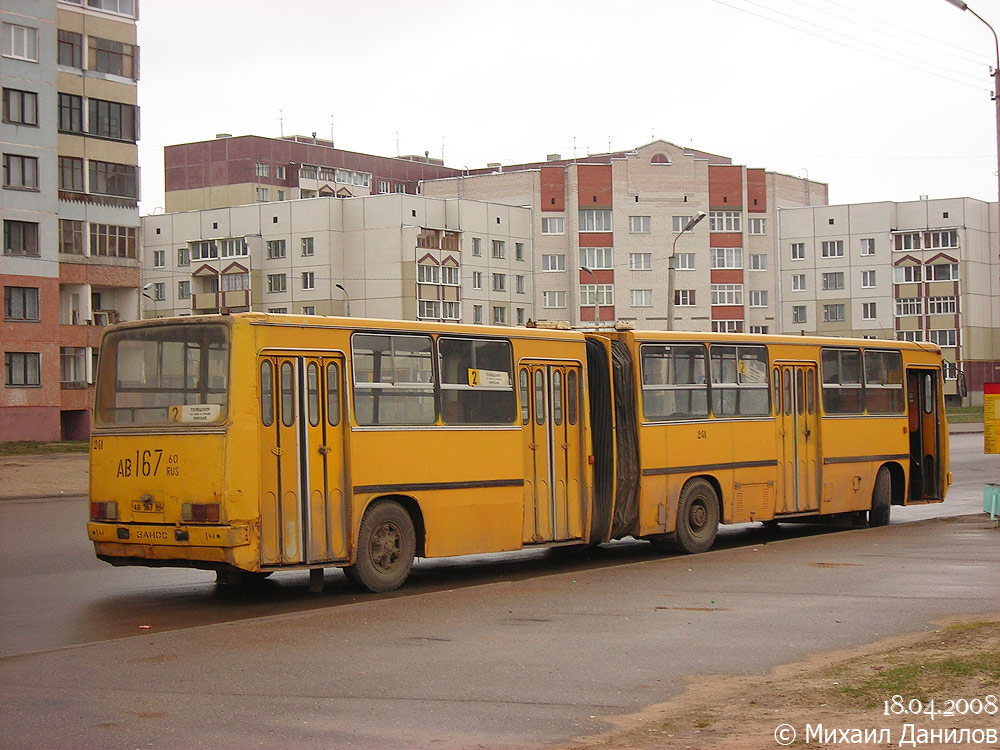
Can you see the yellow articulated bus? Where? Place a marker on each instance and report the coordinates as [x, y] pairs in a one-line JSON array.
[[252, 443]]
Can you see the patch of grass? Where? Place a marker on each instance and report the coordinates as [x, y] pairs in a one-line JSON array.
[[965, 414], [32, 448]]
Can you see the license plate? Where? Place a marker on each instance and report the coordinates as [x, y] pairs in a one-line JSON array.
[[141, 507]]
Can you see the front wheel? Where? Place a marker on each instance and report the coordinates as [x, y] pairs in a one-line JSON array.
[[697, 517], [386, 547], [881, 499]]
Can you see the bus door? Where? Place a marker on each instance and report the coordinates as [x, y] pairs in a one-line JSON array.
[[923, 417], [797, 409], [553, 439], [302, 460]]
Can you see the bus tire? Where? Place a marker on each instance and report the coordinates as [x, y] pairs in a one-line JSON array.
[[386, 547], [697, 517], [881, 499]]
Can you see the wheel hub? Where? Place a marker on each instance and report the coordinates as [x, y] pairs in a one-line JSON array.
[[386, 546]]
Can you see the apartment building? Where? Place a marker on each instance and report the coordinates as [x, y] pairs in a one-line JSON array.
[[395, 256], [68, 204], [924, 270], [607, 227], [234, 171]]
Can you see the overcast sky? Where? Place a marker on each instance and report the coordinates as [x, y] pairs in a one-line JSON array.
[[882, 99]]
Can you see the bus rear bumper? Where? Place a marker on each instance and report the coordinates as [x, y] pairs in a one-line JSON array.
[[128, 544]]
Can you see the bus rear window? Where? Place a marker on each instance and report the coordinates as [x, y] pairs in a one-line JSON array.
[[164, 374]]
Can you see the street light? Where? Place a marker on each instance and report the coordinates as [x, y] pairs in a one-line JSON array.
[[670, 268], [995, 72], [597, 308], [145, 288], [347, 298]]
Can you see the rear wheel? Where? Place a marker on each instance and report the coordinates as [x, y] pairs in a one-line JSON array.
[[697, 517], [881, 499], [386, 547]]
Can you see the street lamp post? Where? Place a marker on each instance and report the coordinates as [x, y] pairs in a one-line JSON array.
[[347, 298], [670, 268], [996, 77], [597, 307]]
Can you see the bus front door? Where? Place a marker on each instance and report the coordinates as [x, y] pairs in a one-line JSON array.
[[797, 410], [553, 435], [303, 507], [923, 417]]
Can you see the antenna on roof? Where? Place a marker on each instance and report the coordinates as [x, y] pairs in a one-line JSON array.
[[397, 144], [281, 122]]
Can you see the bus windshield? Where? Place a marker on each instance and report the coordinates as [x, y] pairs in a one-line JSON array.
[[164, 374]]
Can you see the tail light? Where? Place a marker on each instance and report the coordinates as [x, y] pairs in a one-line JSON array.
[[104, 511], [200, 512]]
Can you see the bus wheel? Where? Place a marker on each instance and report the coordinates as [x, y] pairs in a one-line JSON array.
[[386, 546], [881, 499], [697, 517]]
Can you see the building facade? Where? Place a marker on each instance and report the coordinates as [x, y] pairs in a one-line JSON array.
[[923, 270], [607, 228], [235, 171], [68, 205], [395, 256]]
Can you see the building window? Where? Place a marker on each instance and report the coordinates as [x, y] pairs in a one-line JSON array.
[[159, 259], [758, 329], [121, 7], [798, 251], [428, 309], [183, 290], [684, 261], [383, 186], [281, 195], [832, 249], [20, 303], [642, 298], [518, 251], [20, 172], [833, 313], [907, 241], [756, 226], [949, 370], [183, 256], [70, 237], [477, 279], [308, 280], [941, 306], [307, 246], [727, 294], [519, 284], [684, 298], [868, 311], [235, 282], [477, 246], [909, 335], [798, 282], [279, 174], [679, 222], [477, 314], [276, 282], [595, 220], [726, 257], [428, 273], [451, 311], [868, 246], [499, 249], [554, 262], [867, 279], [943, 272], [908, 306], [113, 179], [70, 113], [20, 237], [725, 221], [308, 309], [758, 298], [112, 120], [597, 257], [71, 174], [450, 276], [20, 107], [262, 195], [798, 313], [597, 294], [275, 249], [833, 280], [70, 49], [233, 247], [727, 326], [277, 310], [20, 42], [937, 240], [943, 337], [758, 262], [555, 300], [499, 282], [638, 224], [907, 274], [114, 58], [262, 170], [640, 261], [499, 316], [160, 291], [520, 316], [553, 225], [22, 369]]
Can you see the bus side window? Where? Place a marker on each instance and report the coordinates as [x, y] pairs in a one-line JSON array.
[[539, 397], [571, 396], [788, 391], [287, 395], [811, 391], [557, 402], [776, 385], [266, 394], [525, 400], [333, 394], [800, 382], [312, 391], [928, 394]]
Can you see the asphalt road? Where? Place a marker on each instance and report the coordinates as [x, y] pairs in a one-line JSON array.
[[492, 651]]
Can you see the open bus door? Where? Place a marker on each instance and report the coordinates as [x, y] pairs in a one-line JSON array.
[[923, 413]]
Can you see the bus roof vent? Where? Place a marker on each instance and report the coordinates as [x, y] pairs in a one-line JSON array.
[[624, 325]]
